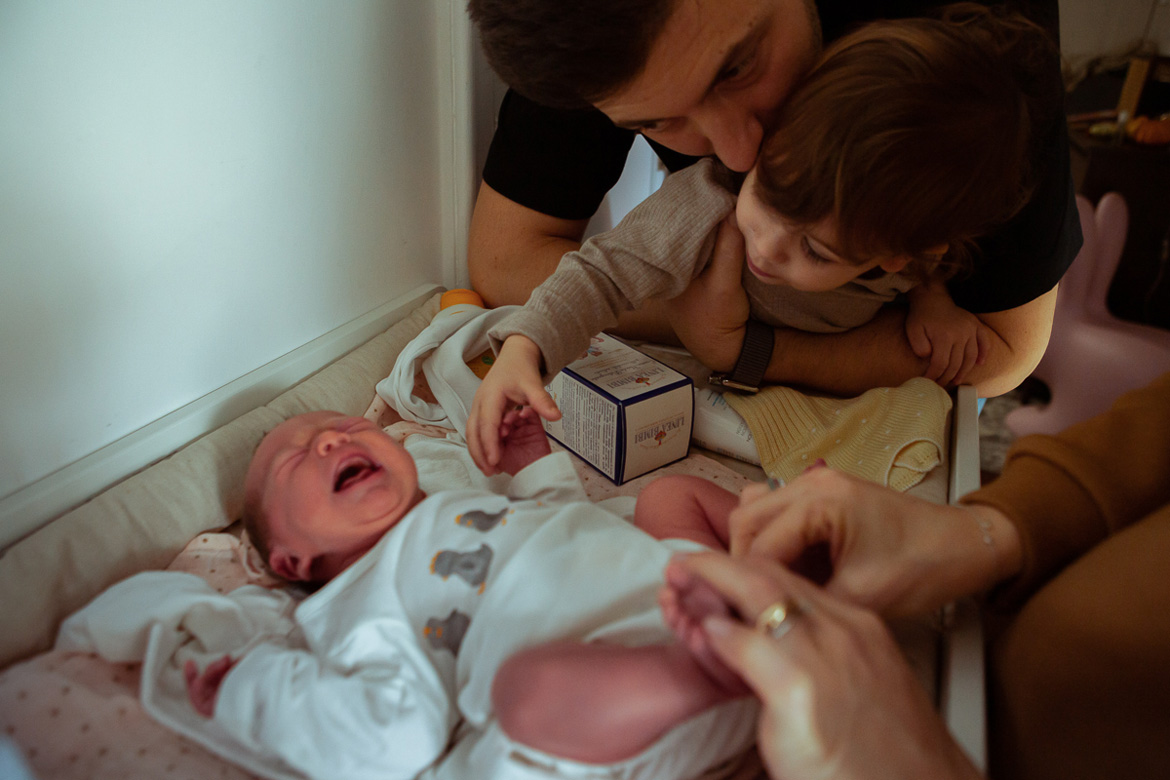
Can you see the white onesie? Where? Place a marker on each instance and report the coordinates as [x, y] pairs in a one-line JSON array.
[[403, 646]]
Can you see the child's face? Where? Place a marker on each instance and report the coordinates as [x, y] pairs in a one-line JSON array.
[[799, 256], [330, 486]]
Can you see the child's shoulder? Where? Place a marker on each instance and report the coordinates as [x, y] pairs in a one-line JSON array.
[[708, 174]]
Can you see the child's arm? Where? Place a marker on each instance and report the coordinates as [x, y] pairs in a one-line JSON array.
[[514, 380], [953, 338]]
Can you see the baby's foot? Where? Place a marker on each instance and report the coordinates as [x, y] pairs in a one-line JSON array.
[[686, 602]]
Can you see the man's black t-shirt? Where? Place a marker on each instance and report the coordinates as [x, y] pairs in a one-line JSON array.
[[562, 163]]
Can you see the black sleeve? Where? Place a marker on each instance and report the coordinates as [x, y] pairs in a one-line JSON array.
[[1026, 257], [554, 161], [559, 162]]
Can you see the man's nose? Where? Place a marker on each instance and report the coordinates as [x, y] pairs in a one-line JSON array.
[[734, 134], [327, 441]]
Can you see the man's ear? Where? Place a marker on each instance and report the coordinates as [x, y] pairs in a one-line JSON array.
[[289, 565], [894, 264]]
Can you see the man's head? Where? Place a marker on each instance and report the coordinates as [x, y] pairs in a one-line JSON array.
[[908, 140], [699, 76], [321, 490]]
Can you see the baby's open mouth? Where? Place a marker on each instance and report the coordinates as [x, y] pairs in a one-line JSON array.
[[353, 472]]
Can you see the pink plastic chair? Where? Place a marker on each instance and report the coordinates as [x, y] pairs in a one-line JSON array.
[[1093, 357]]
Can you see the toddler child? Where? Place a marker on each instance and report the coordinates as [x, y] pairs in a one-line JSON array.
[[527, 627], [907, 141]]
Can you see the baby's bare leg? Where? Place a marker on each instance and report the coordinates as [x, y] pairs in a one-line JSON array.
[[599, 703], [685, 507]]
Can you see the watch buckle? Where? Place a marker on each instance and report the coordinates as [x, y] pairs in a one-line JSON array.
[[723, 380]]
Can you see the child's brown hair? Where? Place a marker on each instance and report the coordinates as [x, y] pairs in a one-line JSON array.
[[915, 133]]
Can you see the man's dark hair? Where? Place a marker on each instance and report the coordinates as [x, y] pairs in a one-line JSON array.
[[567, 54]]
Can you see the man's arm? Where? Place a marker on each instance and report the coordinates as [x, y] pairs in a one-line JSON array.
[[512, 249], [878, 354]]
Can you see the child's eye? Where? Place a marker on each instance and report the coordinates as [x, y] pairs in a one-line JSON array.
[[811, 253]]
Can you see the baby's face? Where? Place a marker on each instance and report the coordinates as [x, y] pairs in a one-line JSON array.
[[800, 256], [331, 486]]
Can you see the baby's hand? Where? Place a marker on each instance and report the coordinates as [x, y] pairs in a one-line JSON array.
[[203, 689], [954, 339], [524, 439], [514, 380]]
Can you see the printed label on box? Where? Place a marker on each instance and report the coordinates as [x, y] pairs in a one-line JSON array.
[[623, 412]]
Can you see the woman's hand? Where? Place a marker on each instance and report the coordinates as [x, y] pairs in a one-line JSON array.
[[893, 553], [514, 380], [838, 698]]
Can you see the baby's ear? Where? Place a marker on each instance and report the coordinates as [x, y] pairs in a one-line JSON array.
[[289, 565]]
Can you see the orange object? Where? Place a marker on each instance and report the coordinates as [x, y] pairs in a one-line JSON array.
[[454, 297], [1152, 132]]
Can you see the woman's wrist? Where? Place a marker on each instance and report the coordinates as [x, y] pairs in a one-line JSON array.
[[1000, 539]]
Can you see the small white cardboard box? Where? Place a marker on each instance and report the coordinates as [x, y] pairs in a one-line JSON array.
[[623, 412]]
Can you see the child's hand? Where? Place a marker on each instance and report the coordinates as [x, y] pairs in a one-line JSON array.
[[514, 380], [203, 689], [523, 438], [954, 339]]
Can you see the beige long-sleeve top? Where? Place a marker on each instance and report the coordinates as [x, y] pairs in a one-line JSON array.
[[655, 252], [1066, 493]]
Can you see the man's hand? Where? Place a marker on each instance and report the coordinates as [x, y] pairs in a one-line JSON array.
[[514, 380], [711, 314]]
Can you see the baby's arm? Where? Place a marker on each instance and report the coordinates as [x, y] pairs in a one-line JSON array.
[[685, 507], [514, 380], [953, 338], [386, 716]]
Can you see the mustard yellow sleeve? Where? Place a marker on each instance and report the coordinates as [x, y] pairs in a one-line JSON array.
[[1068, 492]]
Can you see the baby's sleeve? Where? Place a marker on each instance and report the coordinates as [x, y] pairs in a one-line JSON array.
[[388, 717]]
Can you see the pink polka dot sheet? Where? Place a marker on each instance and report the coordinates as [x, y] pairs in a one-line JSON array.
[[76, 716]]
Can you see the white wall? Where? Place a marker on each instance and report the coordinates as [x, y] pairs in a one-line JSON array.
[[189, 190], [1093, 28]]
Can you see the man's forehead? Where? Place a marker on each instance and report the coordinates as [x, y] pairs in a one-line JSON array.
[[693, 47]]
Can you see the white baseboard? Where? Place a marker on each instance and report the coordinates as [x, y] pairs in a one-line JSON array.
[[30, 507]]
